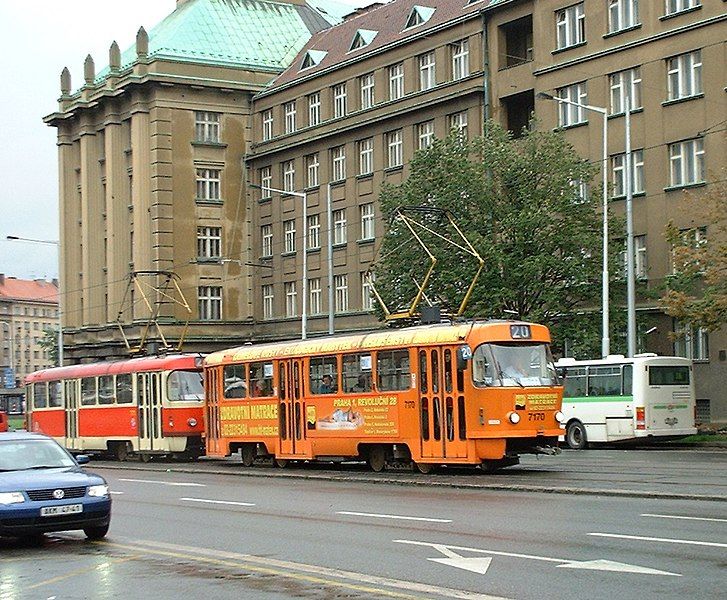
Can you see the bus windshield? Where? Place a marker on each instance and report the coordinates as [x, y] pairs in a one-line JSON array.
[[185, 385], [508, 365]]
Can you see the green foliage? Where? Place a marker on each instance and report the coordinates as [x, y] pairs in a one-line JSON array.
[[49, 342]]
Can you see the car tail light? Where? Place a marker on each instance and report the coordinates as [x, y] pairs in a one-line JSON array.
[[641, 418]]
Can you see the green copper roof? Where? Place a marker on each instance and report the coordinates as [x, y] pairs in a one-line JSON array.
[[243, 33]]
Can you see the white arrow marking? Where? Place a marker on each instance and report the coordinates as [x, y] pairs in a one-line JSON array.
[[609, 565], [655, 539], [217, 501], [171, 483], [476, 565], [685, 518]]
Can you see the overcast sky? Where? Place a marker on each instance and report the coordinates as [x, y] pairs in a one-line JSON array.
[[39, 38]]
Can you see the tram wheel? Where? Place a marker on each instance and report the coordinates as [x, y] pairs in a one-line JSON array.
[[377, 458], [121, 451], [281, 463], [145, 457], [575, 435], [247, 455], [424, 468]]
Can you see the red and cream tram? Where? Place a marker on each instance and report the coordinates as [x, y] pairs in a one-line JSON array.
[[145, 406]]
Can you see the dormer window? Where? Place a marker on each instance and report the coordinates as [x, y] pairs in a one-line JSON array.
[[418, 16], [312, 58], [362, 39]]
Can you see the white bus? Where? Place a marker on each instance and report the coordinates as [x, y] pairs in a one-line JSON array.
[[616, 398]]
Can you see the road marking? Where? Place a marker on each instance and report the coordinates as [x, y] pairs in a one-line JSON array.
[[170, 483], [600, 565], [116, 493], [377, 516], [685, 518], [475, 564], [81, 571], [317, 575], [655, 539], [230, 502]]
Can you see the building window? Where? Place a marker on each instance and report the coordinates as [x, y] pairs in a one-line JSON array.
[[291, 300], [458, 121], [314, 109], [460, 59], [266, 182], [266, 235], [367, 90], [289, 230], [314, 232], [690, 342], [367, 221], [687, 162], [395, 149], [208, 184], [268, 301], [640, 263], [339, 226], [692, 238], [209, 242], [677, 6], [289, 109], [396, 81], [314, 296], [311, 166], [684, 75], [425, 134], [207, 126], [341, 287], [289, 175], [568, 113], [267, 124], [366, 156], [339, 100], [618, 167], [338, 158], [367, 294], [570, 26], [210, 302], [622, 14], [427, 75], [623, 83]]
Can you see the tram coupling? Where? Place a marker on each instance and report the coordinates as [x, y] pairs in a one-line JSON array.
[[549, 450]]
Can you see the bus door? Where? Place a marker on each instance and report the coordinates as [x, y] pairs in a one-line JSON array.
[[441, 404], [150, 411], [291, 412], [70, 400]]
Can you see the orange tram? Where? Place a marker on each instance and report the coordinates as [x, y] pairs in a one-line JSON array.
[[477, 393], [143, 406]]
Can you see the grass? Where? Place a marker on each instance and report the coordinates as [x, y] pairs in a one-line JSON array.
[[704, 437]]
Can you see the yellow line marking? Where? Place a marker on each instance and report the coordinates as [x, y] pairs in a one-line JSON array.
[[79, 572]]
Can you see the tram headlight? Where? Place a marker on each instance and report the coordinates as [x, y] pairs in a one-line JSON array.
[[514, 418], [192, 422], [559, 416]]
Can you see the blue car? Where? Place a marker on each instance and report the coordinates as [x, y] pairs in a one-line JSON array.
[[43, 488]]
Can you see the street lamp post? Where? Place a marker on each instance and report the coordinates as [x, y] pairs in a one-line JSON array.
[[304, 291], [605, 339], [57, 244], [12, 348]]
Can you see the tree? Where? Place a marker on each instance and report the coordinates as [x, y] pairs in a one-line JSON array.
[[49, 342], [518, 203], [696, 292]]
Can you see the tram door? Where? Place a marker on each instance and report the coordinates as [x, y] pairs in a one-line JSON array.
[[291, 411], [148, 392], [70, 399], [441, 404]]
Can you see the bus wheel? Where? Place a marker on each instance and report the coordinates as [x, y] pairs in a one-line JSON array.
[[377, 458], [281, 463], [424, 468], [575, 435], [121, 451], [247, 455]]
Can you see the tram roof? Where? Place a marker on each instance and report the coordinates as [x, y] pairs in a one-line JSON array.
[[472, 331]]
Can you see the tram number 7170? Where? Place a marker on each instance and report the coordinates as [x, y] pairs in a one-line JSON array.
[[536, 416]]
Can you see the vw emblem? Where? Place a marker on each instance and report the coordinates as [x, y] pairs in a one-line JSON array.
[[58, 494]]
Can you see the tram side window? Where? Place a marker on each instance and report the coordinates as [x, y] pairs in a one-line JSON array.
[[357, 373], [393, 370], [123, 389], [324, 375], [235, 381], [40, 395], [261, 379], [575, 382], [54, 394], [88, 391], [185, 386], [106, 389], [604, 381]]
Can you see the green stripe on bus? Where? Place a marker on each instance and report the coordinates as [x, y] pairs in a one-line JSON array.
[[670, 406], [599, 399]]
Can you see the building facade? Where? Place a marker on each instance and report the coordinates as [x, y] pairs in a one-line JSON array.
[[28, 308]]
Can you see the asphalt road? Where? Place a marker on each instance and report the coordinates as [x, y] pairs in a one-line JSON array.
[[310, 534]]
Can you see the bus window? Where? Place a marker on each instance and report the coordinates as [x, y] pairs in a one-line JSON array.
[[423, 378], [628, 378], [357, 373], [235, 381], [575, 382], [88, 391], [106, 389], [185, 386], [123, 389], [604, 381], [324, 375], [40, 395], [671, 375], [392, 370], [261, 379], [54, 394]]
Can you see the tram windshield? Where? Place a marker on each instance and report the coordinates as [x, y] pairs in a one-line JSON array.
[[510, 365], [185, 386]]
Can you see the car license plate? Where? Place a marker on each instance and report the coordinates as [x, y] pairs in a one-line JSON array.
[[66, 509]]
